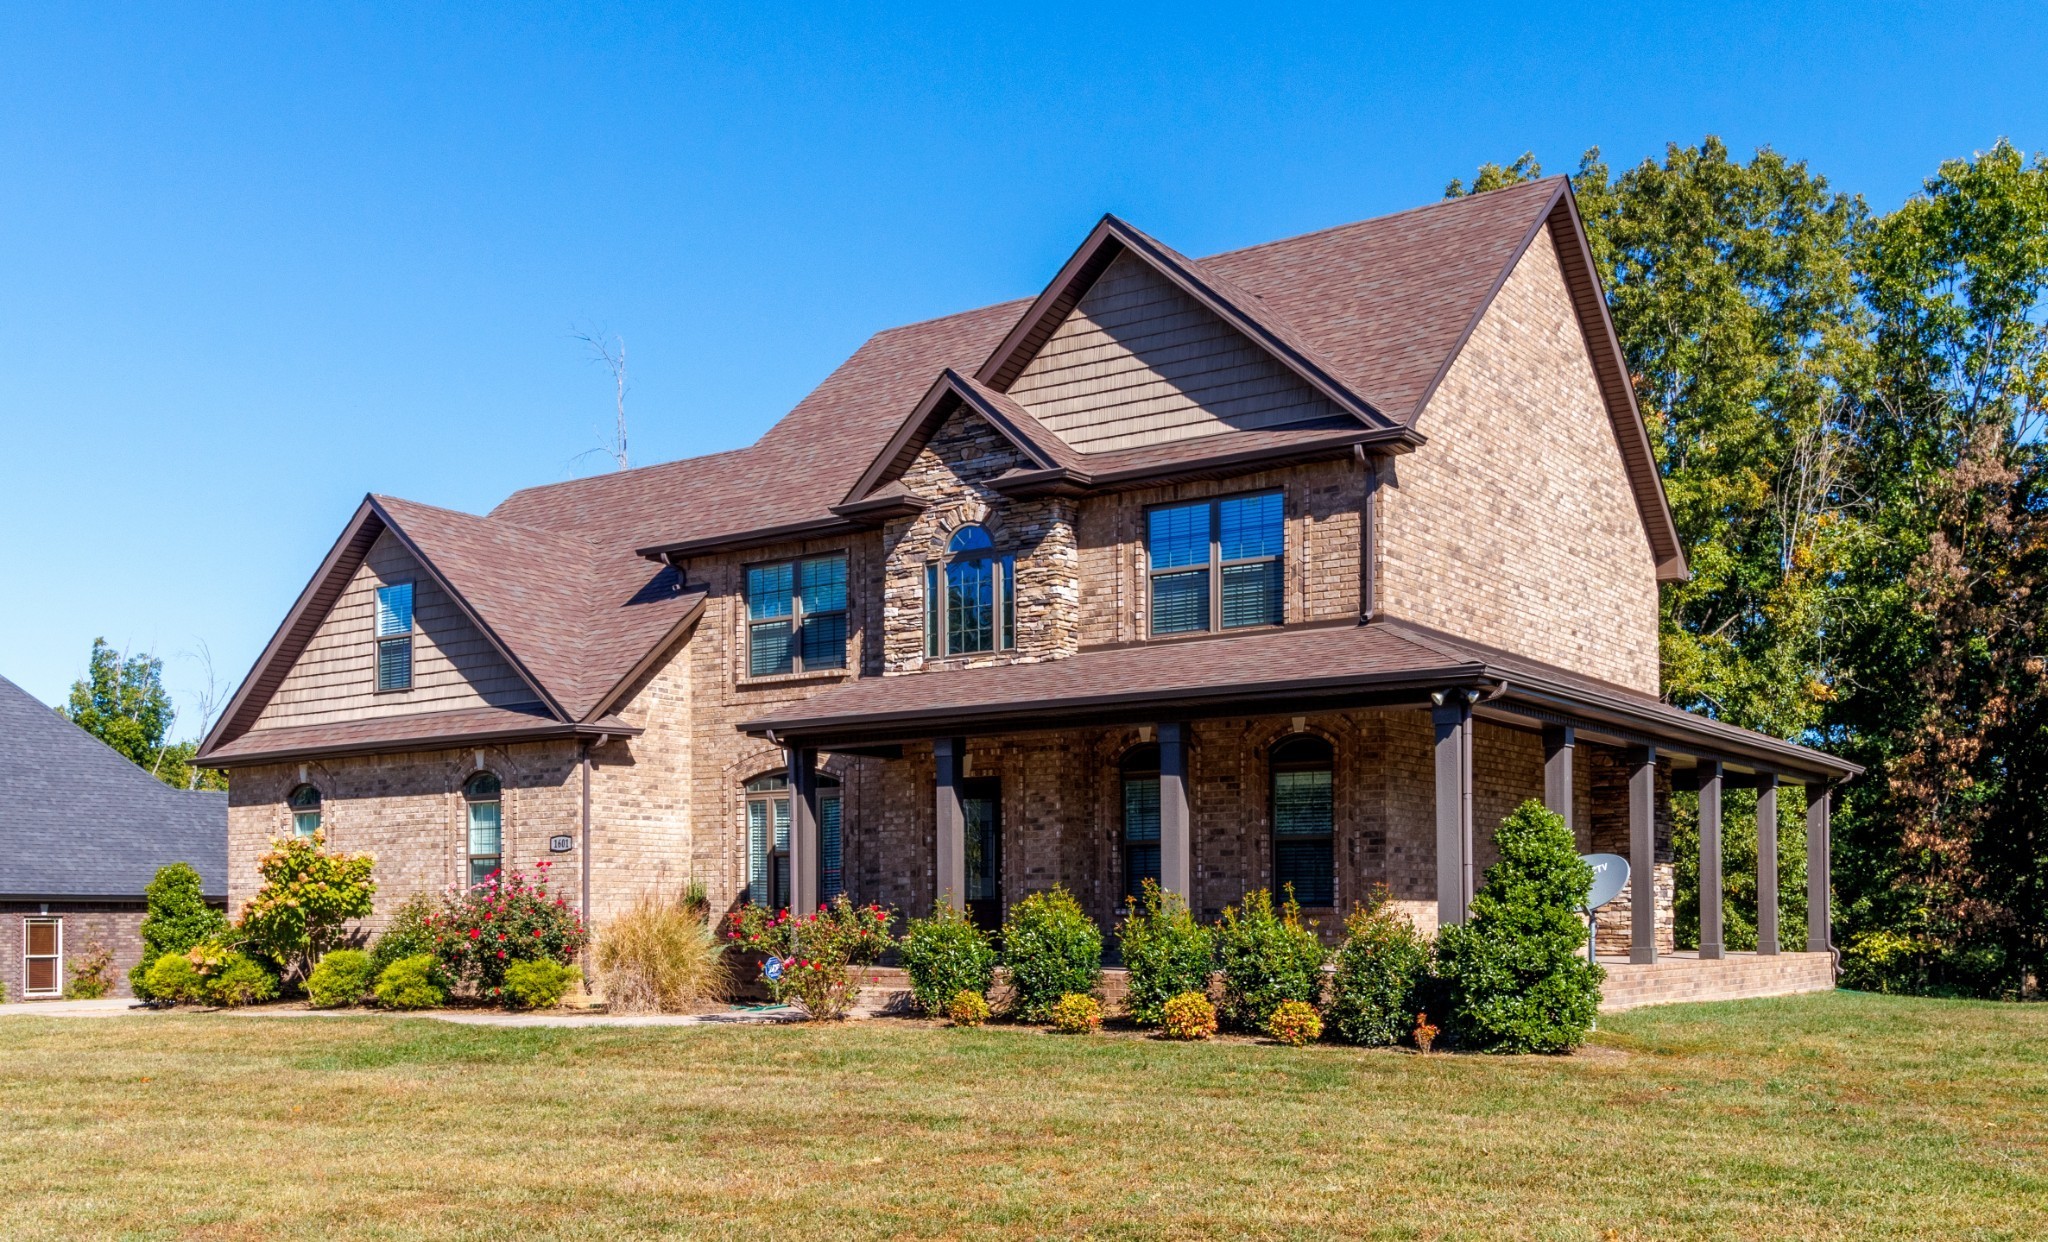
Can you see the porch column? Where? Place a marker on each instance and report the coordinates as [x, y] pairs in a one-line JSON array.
[[1559, 741], [1176, 855], [1819, 806], [1642, 854], [1711, 888], [1767, 863], [1453, 721], [803, 830], [950, 850]]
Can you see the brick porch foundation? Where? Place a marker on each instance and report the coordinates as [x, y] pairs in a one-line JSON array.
[[1739, 976]]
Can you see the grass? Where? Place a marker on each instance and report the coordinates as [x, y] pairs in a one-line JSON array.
[[1825, 1116]]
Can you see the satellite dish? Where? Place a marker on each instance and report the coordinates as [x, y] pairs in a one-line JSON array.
[[1610, 876]]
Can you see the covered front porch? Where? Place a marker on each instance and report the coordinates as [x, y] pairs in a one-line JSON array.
[[1338, 761]]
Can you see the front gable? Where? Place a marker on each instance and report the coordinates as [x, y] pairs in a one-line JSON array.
[[334, 678], [1139, 361]]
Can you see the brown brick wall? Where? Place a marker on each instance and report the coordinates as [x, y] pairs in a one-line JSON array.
[[1515, 524], [117, 925]]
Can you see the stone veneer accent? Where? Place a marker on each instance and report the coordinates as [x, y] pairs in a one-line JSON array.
[[1515, 525], [951, 474]]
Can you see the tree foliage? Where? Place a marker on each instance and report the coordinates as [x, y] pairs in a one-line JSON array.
[[122, 702]]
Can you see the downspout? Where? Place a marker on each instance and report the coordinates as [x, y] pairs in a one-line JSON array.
[[1368, 536], [586, 833]]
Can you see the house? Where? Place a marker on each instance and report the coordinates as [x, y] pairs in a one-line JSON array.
[[1294, 566], [82, 833]]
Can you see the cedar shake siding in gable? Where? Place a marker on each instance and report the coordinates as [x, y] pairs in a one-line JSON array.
[[1514, 525], [1140, 362], [453, 665]]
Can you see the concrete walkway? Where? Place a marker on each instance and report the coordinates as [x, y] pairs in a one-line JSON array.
[[118, 1006], [112, 1007]]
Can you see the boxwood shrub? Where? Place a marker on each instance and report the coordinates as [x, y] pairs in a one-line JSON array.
[[1052, 948], [341, 978], [411, 983], [946, 955]]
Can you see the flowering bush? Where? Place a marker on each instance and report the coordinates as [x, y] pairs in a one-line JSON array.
[[307, 896], [968, 1008], [945, 955], [482, 931], [1188, 1016], [1165, 950], [411, 983], [1268, 956], [539, 983], [1052, 948], [1294, 1023], [816, 951], [1076, 1013], [92, 974], [342, 978]]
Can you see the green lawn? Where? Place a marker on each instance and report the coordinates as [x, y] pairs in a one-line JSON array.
[[1825, 1116]]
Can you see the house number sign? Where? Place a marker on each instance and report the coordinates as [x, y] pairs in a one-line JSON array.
[[561, 844]]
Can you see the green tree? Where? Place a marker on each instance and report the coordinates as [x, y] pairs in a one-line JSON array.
[[175, 918], [308, 896], [122, 702]]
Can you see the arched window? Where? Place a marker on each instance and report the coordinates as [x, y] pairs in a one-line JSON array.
[[305, 804], [767, 798], [976, 610], [1141, 818], [485, 797], [1304, 820]]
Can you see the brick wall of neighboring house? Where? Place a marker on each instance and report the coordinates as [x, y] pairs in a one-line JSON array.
[[117, 925], [1515, 524]]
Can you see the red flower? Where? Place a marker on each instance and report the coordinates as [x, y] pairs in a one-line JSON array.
[[474, 932], [536, 933]]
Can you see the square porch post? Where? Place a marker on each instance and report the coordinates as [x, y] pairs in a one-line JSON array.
[[803, 830], [1176, 854], [1711, 888], [950, 850], [1453, 722], [1767, 863], [1559, 743], [1819, 806], [1642, 854]]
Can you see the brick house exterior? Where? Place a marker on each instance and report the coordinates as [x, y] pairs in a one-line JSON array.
[[939, 631], [82, 833]]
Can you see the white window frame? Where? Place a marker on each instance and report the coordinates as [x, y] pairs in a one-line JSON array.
[[27, 922], [379, 638]]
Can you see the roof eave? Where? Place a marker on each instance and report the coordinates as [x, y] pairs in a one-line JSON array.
[[740, 540], [541, 731]]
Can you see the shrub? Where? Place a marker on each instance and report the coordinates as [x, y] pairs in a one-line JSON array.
[[1188, 1016], [236, 979], [1381, 970], [968, 1008], [1165, 950], [409, 933], [92, 975], [1076, 1013], [308, 895], [539, 984], [1294, 1023], [946, 954], [411, 983], [1052, 948], [341, 978], [172, 978], [176, 918], [817, 952], [660, 956], [508, 918], [1515, 974], [1267, 956]]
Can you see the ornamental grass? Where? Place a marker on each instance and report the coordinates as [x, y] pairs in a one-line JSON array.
[[661, 956]]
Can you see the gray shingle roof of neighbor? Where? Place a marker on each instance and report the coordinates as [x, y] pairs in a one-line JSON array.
[[78, 820]]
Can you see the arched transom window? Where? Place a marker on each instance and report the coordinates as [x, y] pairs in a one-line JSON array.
[[969, 599], [305, 804], [484, 798]]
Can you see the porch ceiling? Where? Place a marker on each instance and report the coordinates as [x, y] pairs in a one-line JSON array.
[[1385, 663]]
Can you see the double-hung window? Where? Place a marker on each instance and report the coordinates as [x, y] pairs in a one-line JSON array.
[[1216, 564], [1141, 820], [970, 601], [394, 636], [768, 840], [484, 797], [1304, 820], [796, 616]]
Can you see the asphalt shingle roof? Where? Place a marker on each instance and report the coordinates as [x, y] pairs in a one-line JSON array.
[[78, 820]]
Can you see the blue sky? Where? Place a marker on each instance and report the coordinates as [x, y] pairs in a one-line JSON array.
[[255, 262]]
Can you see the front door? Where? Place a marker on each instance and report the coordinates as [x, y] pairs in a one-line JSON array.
[[981, 801]]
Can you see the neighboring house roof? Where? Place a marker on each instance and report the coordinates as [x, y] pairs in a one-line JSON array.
[[1371, 315], [79, 821], [1302, 668]]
